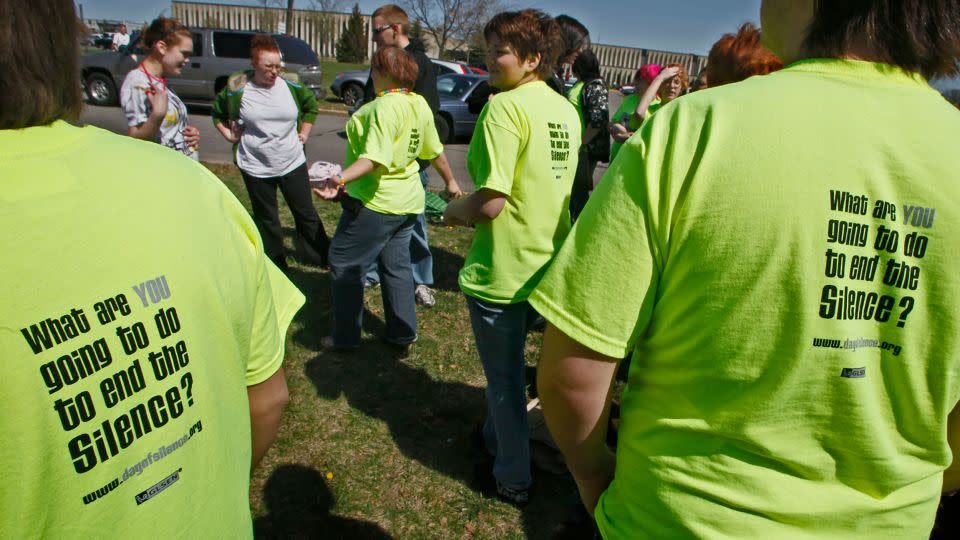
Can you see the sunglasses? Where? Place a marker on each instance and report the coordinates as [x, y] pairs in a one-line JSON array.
[[377, 31]]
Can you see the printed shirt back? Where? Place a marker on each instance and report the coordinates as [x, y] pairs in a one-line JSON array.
[[127, 347], [780, 256], [525, 146], [393, 131]]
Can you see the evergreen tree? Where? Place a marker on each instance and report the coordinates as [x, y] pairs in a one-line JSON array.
[[352, 45], [416, 31]]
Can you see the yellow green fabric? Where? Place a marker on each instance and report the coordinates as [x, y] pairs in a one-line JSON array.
[[392, 131], [524, 146], [777, 389], [576, 92], [625, 114], [136, 307]]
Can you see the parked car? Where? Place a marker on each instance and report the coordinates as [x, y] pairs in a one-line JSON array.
[[348, 85], [950, 88], [216, 54], [104, 40], [455, 119]]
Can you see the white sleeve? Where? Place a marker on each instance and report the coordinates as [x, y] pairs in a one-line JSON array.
[[133, 100]]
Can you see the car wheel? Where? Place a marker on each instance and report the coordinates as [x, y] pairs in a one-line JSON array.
[[100, 89], [352, 93], [443, 129]]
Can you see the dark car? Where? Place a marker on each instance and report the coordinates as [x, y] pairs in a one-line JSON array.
[[950, 88], [216, 55], [455, 119]]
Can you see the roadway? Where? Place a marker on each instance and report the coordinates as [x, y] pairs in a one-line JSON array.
[[327, 141]]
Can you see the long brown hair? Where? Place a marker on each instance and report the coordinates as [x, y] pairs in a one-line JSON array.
[[40, 63]]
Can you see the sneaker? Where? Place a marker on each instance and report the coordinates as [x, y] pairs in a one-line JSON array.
[[516, 497], [369, 284], [424, 296]]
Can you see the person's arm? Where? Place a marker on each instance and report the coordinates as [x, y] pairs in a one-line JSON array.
[[478, 207], [267, 401], [443, 167], [951, 476], [358, 169], [304, 133], [157, 97], [651, 92], [574, 384], [308, 112]]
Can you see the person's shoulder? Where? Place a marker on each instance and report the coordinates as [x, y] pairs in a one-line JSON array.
[[135, 76]]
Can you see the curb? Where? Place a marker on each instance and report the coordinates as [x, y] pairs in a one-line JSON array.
[[332, 112]]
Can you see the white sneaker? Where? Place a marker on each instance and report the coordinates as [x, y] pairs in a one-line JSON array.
[[424, 296]]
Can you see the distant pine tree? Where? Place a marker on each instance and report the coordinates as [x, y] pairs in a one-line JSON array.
[[352, 45], [416, 31]]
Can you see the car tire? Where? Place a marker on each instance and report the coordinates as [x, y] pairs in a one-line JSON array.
[[352, 93], [100, 89], [443, 129]]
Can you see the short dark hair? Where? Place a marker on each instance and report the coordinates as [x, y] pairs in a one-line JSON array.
[[735, 57], [574, 36], [529, 32], [586, 67], [917, 35], [397, 64], [40, 40]]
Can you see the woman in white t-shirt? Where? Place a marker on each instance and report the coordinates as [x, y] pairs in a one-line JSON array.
[[153, 111], [268, 119]]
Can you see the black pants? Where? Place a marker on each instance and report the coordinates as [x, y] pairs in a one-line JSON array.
[[582, 184], [295, 187]]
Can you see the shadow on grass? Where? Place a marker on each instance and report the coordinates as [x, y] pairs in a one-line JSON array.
[[299, 505], [446, 268]]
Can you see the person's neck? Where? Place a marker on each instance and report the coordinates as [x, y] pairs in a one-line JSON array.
[[262, 83], [153, 66], [528, 78], [403, 41]]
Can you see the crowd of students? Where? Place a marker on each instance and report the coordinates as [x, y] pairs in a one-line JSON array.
[[767, 254]]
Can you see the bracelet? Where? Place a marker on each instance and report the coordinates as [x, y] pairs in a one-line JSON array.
[[341, 180]]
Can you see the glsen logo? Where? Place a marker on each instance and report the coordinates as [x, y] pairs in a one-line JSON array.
[[854, 373], [155, 489]]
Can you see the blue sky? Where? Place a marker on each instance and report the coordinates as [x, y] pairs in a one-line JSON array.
[[677, 25]]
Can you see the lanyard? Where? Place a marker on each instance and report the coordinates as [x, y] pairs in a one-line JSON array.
[[394, 91], [153, 78]]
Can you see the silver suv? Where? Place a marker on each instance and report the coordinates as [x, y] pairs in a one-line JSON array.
[[216, 54]]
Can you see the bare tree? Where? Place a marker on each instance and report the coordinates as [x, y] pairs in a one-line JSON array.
[[327, 6], [452, 23]]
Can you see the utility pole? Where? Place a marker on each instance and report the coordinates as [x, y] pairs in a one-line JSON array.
[[289, 17]]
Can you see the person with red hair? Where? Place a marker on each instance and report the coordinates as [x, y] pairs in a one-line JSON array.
[[623, 123], [268, 119], [735, 57]]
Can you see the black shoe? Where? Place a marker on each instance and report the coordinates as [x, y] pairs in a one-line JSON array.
[[516, 497]]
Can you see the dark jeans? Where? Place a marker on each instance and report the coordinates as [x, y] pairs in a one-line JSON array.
[[501, 334], [582, 184], [295, 187], [363, 237]]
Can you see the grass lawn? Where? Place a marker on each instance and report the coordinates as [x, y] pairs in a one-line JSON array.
[[329, 69], [376, 446]]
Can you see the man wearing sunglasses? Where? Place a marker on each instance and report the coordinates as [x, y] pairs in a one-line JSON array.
[[391, 28]]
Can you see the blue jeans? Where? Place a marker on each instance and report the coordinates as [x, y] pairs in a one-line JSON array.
[[501, 333], [421, 259], [365, 237]]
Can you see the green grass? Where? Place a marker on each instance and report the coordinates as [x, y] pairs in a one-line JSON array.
[[393, 433], [329, 70]]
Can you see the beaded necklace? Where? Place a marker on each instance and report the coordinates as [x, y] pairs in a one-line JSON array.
[[394, 91]]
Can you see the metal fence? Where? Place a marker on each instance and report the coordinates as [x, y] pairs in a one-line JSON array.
[[322, 30]]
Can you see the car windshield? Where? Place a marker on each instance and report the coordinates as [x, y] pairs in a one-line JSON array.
[[296, 51], [454, 86]]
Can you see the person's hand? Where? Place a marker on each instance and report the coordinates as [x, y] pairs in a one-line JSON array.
[[191, 136], [157, 97], [616, 130], [453, 190], [302, 137], [236, 132], [328, 190], [668, 73]]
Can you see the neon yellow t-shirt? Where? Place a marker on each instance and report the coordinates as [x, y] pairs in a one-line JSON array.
[[393, 131], [525, 146], [624, 114], [136, 306], [780, 256]]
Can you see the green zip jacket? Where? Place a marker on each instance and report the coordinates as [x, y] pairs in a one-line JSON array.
[[226, 107]]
